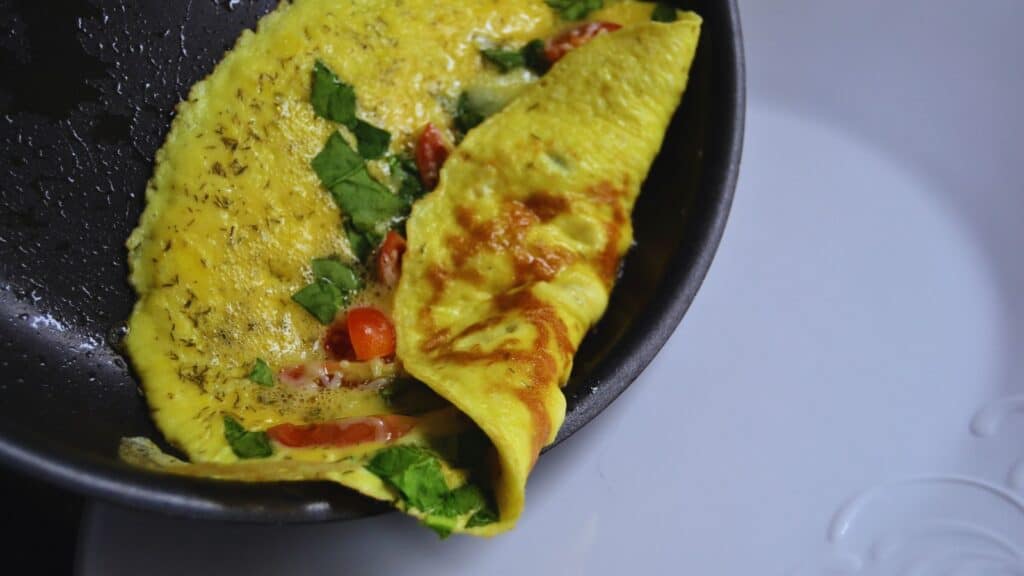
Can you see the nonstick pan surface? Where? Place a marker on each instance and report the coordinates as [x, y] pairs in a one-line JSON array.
[[88, 93]]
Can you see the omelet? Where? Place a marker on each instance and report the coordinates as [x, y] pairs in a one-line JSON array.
[[379, 230]]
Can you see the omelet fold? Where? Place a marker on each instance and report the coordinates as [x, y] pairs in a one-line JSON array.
[[511, 260]]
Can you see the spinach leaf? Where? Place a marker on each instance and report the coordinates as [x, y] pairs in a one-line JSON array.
[[467, 116], [372, 141], [440, 525], [331, 98], [463, 500], [664, 12], [505, 60], [368, 205], [336, 273], [261, 373], [535, 58], [321, 299], [417, 475], [575, 9], [246, 444], [336, 162], [405, 173], [483, 517], [362, 243]]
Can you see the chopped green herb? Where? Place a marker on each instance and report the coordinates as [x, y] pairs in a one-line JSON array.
[[369, 206], [362, 243], [664, 12], [261, 373], [246, 444], [407, 177], [321, 299], [463, 500], [505, 60], [336, 273], [373, 141], [417, 475], [575, 9], [483, 517], [441, 526], [535, 57], [467, 116], [331, 98], [336, 162]]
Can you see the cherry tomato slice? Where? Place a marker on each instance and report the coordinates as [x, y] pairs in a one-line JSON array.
[[337, 343], [371, 333], [347, 432], [565, 42], [431, 152], [389, 259]]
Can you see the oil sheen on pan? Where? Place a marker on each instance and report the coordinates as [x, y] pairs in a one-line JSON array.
[[379, 230]]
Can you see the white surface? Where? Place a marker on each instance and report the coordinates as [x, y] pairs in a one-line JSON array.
[[866, 303]]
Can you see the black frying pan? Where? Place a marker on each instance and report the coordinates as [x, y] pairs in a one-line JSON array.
[[89, 88]]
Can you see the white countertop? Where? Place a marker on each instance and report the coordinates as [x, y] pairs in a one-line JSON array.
[[813, 412]]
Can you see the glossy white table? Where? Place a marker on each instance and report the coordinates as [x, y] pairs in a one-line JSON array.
[[845, 396]]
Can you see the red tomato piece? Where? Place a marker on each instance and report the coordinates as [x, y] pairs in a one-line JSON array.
[[431, 152], [371, 333], [565, 42], [347, 432], [389, 259], [292, 374], [337, 343]]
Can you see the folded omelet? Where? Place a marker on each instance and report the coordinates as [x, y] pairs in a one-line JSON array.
[[310, 309]]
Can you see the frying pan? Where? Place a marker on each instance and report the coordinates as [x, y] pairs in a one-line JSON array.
[[89, 90]]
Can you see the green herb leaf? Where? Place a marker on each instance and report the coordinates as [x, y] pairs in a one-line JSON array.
[[575, 9], [467, 116], [369, 206], [505, 60], [246, 444], [415, 473], [535, 57], [362, 243], [373, 141], [392, 461], [483, 517], [261, 373], [331, 98], [441, 526], [407, 176], [336, 273], [463, 500], [336, 162], [321, 299], [664, 12]]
